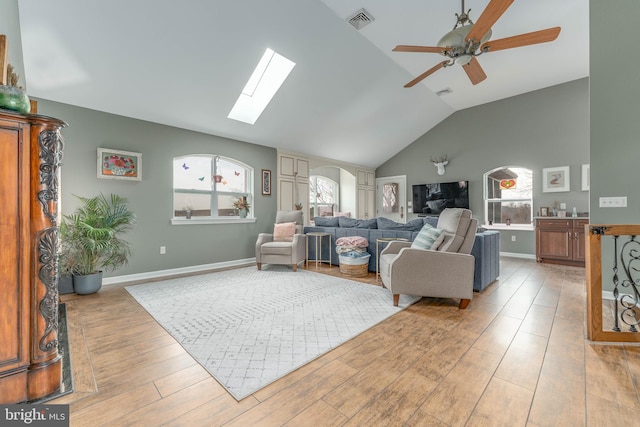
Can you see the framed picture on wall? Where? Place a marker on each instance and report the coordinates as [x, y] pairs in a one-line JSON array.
[[555, 179], [118, 164], [266, 182]]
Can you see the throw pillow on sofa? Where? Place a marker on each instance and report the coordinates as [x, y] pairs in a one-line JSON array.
[[431, 220], [345, 214], [284, 231], [428, 238], [387, 224], [356, 223], [325, 221]]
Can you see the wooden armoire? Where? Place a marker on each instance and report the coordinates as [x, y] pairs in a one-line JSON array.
[[30, 154]]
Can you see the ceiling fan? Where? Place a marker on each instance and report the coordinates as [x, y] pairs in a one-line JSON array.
[[468, 40]]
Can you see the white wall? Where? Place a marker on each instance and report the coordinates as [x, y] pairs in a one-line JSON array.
[[10, 26], [347, 192]]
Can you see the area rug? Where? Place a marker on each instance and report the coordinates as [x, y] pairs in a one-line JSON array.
[[248, 327]]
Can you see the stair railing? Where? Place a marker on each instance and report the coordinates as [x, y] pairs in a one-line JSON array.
[[619, 319]]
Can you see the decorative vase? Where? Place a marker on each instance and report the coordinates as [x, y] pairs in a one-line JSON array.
[[87, 284], [188, 214], [242, 213], [13, 98]]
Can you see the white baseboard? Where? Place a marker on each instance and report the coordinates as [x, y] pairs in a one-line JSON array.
[[176, 271], [517, 255], [608, 295]]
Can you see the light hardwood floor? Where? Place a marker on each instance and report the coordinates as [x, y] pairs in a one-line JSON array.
[[517, 356]]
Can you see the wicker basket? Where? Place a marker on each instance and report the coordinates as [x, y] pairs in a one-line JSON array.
[[347, 266], [354, 270]]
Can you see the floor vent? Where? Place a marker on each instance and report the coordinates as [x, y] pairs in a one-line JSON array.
[[360, 19]]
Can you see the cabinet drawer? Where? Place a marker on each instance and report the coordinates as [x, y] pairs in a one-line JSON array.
[[554, 223]]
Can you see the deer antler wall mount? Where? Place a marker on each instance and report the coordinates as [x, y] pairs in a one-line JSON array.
[[440, 163]]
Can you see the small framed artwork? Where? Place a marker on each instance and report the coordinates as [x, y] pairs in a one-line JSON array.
[[266, 182], [544, 211], [555, 179], [586, 180], [118, 164]]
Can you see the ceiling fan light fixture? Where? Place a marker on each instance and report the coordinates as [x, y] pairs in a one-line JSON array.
[[468, 40], [457, 37], [463, 59]]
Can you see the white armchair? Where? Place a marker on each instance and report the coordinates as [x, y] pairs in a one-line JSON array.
[[445, 273], [291, 252]]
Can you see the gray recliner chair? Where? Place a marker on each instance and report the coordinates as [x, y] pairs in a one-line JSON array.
[[444, 273], [290, 253]]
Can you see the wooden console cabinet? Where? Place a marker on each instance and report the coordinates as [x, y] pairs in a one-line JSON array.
[[561, 240], [30, 152]]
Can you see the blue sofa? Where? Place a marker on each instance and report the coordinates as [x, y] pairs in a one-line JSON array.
[[486, 248]]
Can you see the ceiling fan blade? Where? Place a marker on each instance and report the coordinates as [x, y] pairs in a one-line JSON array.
[[489, 16], [542, 36], [429, 49], [426, 74], [474, 71]]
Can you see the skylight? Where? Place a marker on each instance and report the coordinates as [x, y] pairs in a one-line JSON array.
[[270, 73]]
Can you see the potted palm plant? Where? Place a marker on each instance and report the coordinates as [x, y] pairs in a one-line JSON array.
[[91, 242]]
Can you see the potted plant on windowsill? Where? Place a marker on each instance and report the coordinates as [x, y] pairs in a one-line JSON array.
[[90, 240], [242, 205]]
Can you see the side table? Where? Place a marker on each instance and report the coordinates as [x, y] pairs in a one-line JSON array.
[[384, 240], [318, 236]]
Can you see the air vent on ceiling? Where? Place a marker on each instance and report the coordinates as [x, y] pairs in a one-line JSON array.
[[444, 92], [360, 19]]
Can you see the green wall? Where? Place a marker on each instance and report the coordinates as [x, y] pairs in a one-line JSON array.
[[544, 128], [615, 106], [615, 126], [151, 199]]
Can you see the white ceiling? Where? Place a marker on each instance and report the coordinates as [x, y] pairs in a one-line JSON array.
[[184, 64]]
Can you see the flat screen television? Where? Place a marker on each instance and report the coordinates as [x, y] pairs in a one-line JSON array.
[[432, 199]]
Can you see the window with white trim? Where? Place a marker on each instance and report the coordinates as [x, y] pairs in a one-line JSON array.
[[508, 195], [206, 186], [323, 196]]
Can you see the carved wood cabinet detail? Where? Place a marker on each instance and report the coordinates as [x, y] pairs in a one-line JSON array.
[[30, 154]]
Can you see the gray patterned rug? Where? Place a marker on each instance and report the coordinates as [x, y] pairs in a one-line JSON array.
[[248, 327]]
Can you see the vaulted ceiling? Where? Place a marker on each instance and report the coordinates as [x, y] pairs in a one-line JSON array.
[[185, 63]]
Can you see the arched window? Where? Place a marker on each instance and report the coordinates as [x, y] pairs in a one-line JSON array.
[[508, 195], [206, 185], [323, 196]]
